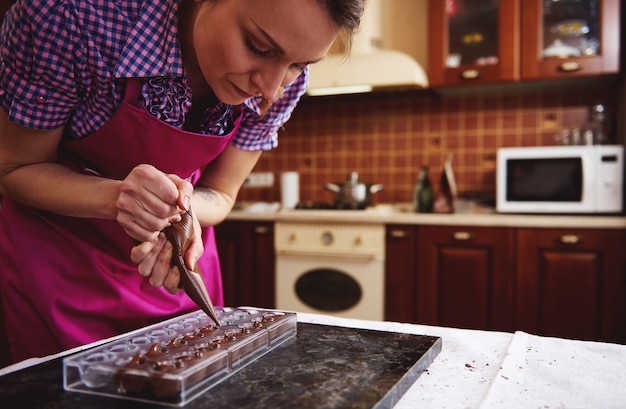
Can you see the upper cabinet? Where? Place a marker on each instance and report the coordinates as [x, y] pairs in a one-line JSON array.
[[473, 41], [566, 38], [492, 41]]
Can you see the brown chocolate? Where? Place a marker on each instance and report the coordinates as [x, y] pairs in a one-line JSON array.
[[157, 350], [158, 361], [128, 380], [180, 235]]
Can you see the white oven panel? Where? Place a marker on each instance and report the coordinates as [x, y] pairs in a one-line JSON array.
[[333, 269], [331, 238]]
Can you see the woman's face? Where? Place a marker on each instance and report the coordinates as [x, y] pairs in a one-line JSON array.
[[248, 48]]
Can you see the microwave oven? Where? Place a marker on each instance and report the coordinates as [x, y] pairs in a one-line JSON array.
[[560, 179]]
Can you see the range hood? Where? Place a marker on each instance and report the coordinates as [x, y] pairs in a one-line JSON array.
[[369, 67]]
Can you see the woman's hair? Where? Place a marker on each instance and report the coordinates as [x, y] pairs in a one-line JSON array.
[[347, 15]]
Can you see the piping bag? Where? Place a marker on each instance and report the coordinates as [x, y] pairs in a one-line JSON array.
[[179, 234]]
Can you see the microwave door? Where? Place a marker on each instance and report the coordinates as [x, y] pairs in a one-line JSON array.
[[550, 184], [544, 180]]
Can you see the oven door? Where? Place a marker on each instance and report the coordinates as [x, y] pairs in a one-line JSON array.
[[350, 286]]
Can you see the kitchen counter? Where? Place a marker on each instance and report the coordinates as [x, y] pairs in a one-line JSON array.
[[495, 370], [475, 369], [398, 214]]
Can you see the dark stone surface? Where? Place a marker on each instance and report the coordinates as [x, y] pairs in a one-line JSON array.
[[323, 366]]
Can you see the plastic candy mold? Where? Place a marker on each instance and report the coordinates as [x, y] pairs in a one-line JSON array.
[[174, 361]]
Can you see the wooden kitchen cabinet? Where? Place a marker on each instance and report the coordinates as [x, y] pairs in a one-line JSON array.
[[473, 42], [400, 272], [449, 276], [496, 41], [465, 277], [570, 283], [246, 250], [547, 26]]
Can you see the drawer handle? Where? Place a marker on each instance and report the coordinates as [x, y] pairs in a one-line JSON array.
[[398, 234], [462, 236], [311, 254], [571, 239], [470, 74], [260, 230], [570, 66]]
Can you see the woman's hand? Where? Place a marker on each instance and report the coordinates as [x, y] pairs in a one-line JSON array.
[[154, 260], [150, 200]]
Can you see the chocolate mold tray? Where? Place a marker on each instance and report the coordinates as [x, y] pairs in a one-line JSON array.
[[174, 361]]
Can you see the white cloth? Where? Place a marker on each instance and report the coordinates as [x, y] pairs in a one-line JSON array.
[[554, 373], [493, 370]]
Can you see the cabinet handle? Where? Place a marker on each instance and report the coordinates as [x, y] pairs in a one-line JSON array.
[[571, 239], [462, 236], [398, 234], [312, 255], [570, 66], [260, 229], [470, 74]]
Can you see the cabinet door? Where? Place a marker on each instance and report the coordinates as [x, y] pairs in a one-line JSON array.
[[400, 274], [570, 38], [465, 277], [570, 283], [233, 241], [473, 41], [246, 251], [265, 264]]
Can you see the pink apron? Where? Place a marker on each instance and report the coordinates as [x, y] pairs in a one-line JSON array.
[[69, 281]]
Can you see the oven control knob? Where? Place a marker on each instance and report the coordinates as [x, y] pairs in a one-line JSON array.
[[327, 238]]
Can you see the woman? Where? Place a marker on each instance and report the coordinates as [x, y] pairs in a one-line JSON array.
[[118, 116]]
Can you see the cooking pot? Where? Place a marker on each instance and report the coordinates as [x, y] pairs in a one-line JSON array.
[[352, 192]]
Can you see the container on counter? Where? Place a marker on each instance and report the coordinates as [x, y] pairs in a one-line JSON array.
[[599, 124], [423, 193], [289, 189]]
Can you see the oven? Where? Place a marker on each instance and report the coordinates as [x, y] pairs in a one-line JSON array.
[[331, 268]]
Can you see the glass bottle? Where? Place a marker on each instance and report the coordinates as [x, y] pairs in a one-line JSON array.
[[423, 193], [600, 124]]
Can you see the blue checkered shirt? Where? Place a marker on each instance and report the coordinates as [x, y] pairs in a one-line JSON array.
[[63, 63]]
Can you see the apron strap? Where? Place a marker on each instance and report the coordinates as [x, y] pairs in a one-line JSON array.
[[132, 90]]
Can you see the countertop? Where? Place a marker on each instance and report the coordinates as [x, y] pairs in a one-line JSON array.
[[399, 214], [486, 369], [322, 366]]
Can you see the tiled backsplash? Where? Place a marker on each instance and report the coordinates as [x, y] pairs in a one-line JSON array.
[[388, 137]]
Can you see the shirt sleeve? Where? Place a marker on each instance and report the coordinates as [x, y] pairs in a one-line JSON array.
[[37, 83], [258, 132]]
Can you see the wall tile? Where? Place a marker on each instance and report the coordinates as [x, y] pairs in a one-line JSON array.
[[388, 137]]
